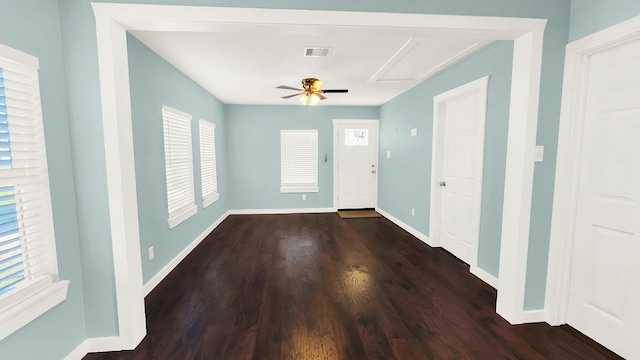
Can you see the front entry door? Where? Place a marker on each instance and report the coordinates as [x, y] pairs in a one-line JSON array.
[[357, 163]]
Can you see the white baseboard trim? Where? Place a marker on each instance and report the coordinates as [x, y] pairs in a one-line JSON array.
[[484, 276], [151, 284], [534, 316], [90, 345], [422, 237], [281, 211]]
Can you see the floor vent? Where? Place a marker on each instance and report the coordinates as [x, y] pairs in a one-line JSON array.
[[317, 51]]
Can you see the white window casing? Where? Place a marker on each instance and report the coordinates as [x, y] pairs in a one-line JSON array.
[[29, 282], [208, 170], [299, 161], [178, 165]]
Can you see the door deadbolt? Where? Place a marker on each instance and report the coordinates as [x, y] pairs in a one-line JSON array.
[[442, 183]]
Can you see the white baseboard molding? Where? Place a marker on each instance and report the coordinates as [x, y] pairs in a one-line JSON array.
[[90, 345], [151, 284], [534, 316], [422, 237], [281, 211], [484, 276]]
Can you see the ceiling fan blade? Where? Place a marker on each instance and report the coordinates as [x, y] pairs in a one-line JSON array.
[[290, 96], [321, 96], [335, 91], [288, 88]]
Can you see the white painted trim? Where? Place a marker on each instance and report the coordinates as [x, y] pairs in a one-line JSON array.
[[121, 178], [32, 307], [534, 316], [568, 161], [281, 211], [19, 56], [485, 276], [154, 281], [90, 345], [480, 87], [112, 22], [420, 236], [518, 187], [338, 122]]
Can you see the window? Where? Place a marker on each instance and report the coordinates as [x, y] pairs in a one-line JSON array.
[[356, 137], [29, 284], [178, 161], [299, 161], [208, 174]]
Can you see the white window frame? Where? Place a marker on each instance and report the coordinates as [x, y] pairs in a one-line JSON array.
[[208, 165], [178, 155], [299, 150], [42, 289]]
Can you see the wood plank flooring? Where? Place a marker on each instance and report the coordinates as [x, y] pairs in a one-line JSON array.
[[315, 286]]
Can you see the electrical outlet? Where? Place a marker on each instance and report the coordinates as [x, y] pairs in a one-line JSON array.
[[304, 196], [414, 132], [388, 154], [151, 255], [413, 212]]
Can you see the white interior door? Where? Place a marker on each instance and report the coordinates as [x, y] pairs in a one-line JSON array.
[[460, 122], [604, 295], [356, 164]]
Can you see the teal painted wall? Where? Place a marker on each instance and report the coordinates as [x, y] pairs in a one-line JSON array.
[[589, 16], [33, 26], [254, 152], [405, 178], [155, 83]]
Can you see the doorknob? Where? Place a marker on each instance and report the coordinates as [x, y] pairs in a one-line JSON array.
[[442, 183]]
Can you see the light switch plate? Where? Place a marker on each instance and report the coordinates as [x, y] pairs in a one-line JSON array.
[[539, 155], [388, 154]]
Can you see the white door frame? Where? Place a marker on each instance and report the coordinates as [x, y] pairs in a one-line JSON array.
[[478, 86], [568, 164], [112, 22], [336, 123]]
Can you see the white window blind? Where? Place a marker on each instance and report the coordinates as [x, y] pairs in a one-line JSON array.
[[178, 165], [299, 161], [208, 172], [28, 263]]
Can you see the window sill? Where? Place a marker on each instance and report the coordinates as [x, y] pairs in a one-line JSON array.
[[299, 189], [182, 215], [210, 199], [26, 311]]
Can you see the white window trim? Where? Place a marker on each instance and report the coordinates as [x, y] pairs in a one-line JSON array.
[[186, 211], [211, 197], [20, 307], [292, 187]]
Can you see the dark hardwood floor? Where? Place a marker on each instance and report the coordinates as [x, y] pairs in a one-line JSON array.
[[315, 286]]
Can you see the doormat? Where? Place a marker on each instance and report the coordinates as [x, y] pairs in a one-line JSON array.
[[358, 214]]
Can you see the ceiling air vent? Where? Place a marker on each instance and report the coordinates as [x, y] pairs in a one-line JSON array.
[[317, 51]]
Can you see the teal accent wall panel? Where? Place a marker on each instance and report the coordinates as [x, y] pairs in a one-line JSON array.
[[33, 27], [253, 152], [155, 83], [405, 177]]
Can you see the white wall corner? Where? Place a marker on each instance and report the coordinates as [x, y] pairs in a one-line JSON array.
[[422, 237]]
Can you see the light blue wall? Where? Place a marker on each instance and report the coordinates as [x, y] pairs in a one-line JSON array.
[[589, 16], [405, 178], [254, 152], [33, 26], [155, 83]]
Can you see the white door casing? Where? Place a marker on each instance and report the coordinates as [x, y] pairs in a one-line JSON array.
[[457, 168], [355, 163], [595, 241]]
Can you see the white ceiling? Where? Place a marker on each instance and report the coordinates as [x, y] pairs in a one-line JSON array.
[[244, 63]]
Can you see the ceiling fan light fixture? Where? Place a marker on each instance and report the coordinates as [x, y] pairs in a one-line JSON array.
[[314, 99], [304, 99]]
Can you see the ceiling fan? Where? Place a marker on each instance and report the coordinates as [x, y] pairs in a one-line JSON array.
[[312, 91]]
